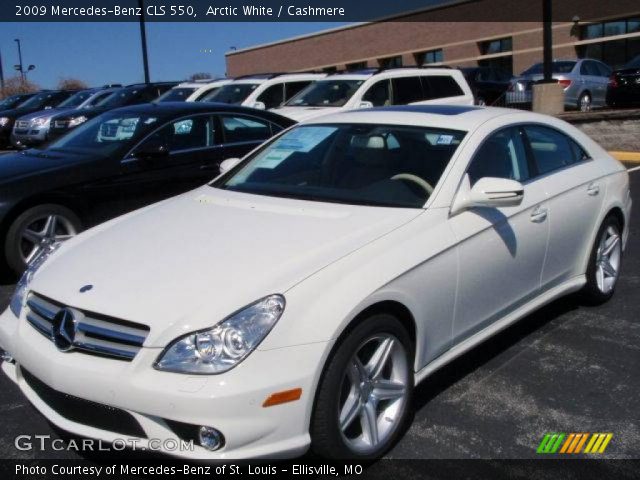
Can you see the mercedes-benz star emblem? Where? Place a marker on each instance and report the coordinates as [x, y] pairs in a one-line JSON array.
[[64, 326]]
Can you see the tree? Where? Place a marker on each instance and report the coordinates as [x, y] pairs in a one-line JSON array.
[[199, 76], [14, 86], [70, 83]]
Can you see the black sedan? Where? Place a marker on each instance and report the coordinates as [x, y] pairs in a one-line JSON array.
[[40, 101], [134, 94], [119, 161], [624, 85], [488, 84]]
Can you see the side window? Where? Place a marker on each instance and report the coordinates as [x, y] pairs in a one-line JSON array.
[[273, 96], [292, 88], [379, 94], [183, 134], [237, 129], [551, 149], [407, 90], [441, 86], [589, 68], [502, 155]]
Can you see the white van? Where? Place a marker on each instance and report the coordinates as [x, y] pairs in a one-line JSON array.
[[378, 88]]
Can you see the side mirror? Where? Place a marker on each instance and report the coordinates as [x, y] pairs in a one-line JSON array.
[[228, 164], [365, 104], [151, 152], [259, 105], [487, 192]]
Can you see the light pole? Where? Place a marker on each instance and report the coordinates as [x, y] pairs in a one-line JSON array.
[[1, 76], [19, 66], [143, 39], [547, 40]]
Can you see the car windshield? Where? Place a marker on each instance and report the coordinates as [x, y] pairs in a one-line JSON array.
[[37, 100], [633, 63], [176, 94], [326, 93], [361, 164], [76, 99], [119, 97], [107, 133], [9, 102], [556, 67], [233, 93]]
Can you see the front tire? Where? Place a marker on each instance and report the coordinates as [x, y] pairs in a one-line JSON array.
[[585, 103], [363, 399], [36, 230], [605, 261]]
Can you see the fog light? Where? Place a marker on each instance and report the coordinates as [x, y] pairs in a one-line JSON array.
[[210, 438]]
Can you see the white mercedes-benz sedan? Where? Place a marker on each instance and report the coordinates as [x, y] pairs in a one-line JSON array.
[[295, 301]]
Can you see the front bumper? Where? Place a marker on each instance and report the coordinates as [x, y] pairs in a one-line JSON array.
[[230, 402], [28, 137]]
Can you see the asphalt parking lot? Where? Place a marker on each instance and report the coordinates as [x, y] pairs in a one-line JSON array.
[[566, 368]]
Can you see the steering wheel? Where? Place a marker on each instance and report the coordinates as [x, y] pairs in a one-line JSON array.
[[415, 179]]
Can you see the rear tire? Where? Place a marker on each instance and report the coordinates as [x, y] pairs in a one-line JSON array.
[[363, 399], [584, 102], [29, 234], [605, 262]]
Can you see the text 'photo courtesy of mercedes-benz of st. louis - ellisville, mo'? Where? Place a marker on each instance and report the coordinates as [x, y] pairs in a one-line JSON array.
[[320, 238]]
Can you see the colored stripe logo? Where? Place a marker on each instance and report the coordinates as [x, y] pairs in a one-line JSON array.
[[593, 443]]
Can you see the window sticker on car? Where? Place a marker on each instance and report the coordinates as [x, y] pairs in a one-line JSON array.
[[304, 139], [445, 140], [275, 158], [183, 128]]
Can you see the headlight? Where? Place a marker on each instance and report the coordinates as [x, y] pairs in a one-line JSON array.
[[222, 347], [39, 122], [4, 121], [22, 288], [74, 122]]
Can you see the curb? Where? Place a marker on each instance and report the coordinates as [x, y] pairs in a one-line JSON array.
[[628, 157]]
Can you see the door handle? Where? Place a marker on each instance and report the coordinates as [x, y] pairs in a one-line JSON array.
[[593, 189], [539, 214]]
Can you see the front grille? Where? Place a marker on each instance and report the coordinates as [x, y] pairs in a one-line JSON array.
[[60, 123], [91, 332], [85, 412], [22, 124]]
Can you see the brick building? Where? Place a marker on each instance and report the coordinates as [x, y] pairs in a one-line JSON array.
[[608, 31]]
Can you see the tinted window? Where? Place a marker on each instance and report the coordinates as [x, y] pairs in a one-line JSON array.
[[589, 68], [603, 70], [273, 96], [378, 94], [242, 129], [97, 98], [183, 134], [326, 93], [233, 93], [502, 156], [556, 67], [292, 88], [441, 87], [407, 90], [176, 94], [551, 149]]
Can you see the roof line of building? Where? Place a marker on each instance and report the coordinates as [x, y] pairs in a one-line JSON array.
[[320, 33]]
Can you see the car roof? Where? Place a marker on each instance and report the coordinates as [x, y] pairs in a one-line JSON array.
[[367, 73], [186, 108], [278, 78], [203, 84], [455, 117]]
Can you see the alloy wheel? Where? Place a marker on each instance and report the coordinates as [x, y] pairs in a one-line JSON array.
[[608, 259], [585, 103], [373, 393], [43, 233]]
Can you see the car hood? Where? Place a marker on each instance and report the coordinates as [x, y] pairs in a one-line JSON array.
[[187, 263], [88, 112], [44, 113], [13, 166], [304, 113]]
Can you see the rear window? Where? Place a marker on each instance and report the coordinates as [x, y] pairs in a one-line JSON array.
[[407, 90], [552, 149]]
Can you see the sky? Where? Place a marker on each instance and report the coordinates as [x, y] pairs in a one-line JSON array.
[[101, 53]]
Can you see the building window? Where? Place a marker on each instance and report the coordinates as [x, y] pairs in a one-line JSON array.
[[356, 66], [330, 69], [499, 45], [616, 52], [431, 56], [390, 62]]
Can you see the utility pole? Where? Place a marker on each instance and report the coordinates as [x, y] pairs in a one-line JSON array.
[[20, 68], [143, 39], [547, 40], [1, 76]]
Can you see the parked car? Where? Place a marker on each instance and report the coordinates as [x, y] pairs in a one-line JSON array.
[[263, 91], [623, 89], [130, 95], [296, 300], [488, 84], [40, 101], [584, 82], [14, 100], [33, 129], [193, 91], [121, 160], [376, 88]]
